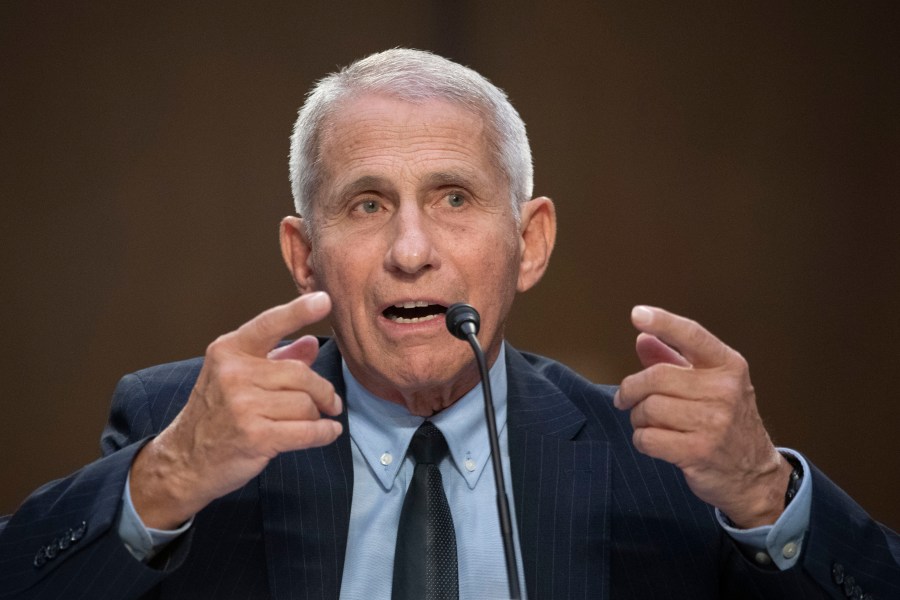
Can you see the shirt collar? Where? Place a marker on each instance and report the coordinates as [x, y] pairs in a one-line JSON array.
[[382, 430]]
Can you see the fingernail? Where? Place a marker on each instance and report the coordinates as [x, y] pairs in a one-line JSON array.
[[641, 315], [616, 401], [338, 405], [317, 300]]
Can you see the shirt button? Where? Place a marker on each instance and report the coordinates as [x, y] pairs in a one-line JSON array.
[[386, 458], [470, 465], [789, 550], [762, 558]]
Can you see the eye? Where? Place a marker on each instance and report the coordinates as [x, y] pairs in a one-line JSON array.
[[369, 207], [455, 199]]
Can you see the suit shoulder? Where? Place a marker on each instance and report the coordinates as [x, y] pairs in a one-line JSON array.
[[565, 377], [168, 375], [161, 390]]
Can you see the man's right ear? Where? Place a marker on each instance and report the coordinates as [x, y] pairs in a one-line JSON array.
[[296, 250]]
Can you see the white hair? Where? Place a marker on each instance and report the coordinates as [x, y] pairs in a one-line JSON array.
[[413, 76]]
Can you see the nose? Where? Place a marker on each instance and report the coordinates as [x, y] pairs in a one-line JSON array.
[[411, 248]]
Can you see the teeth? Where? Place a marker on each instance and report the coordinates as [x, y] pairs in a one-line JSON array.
[[412, 304], [396, 319]]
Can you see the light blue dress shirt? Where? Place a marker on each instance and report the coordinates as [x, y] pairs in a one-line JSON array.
[[380, 432]]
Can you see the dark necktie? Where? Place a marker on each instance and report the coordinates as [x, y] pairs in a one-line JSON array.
[[425, 557]]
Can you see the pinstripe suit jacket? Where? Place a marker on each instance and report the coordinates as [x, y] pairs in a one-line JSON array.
[[596, 519]]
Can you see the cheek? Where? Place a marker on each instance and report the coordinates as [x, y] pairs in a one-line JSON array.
[[336, 275]]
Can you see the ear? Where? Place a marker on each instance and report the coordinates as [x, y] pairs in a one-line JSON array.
[[538, 234], [296, 250]]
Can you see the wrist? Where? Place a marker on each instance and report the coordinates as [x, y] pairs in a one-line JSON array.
[[158, 487], [767, 503]]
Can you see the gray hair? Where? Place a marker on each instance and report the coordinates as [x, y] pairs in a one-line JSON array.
[[412, 76]]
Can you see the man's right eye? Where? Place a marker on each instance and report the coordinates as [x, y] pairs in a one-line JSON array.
[[368, 206]]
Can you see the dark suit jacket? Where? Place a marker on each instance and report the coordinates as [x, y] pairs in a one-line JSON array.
[[596, 519]]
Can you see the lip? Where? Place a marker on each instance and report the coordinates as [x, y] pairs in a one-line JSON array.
[[429, 327], [401, 301], [400, 331]]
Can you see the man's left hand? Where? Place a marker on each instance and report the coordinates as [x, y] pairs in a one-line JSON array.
[[693, 405]]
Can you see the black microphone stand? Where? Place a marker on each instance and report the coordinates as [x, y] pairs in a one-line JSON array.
[[463, 322]]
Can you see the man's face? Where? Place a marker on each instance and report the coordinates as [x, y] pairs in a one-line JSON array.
[[412, 217]]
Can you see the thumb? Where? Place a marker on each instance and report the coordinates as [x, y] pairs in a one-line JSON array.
[[651, 351], [305, 349]]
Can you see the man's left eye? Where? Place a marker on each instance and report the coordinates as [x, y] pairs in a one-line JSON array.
[[456, 200]]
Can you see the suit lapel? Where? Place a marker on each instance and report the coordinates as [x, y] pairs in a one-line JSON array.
[[562, 519], [305, 498], [560, 487]]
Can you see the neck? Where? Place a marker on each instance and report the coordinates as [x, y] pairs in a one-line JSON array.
[[425, 398]]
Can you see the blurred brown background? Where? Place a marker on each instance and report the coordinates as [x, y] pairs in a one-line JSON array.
[[738, 165]]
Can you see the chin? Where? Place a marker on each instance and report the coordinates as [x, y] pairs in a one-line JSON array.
[[438, 378]]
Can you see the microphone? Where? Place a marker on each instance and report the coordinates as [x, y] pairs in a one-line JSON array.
[[464, 322]]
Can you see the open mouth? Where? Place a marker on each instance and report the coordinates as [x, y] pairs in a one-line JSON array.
[[413, 312]]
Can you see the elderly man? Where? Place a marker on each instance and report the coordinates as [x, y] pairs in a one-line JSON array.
[[281, 471]]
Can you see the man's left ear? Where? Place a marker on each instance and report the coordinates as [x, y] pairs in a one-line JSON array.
[[296, 251], [537, 236]]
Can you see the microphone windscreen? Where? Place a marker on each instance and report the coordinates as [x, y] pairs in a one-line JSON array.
[[457, 318]]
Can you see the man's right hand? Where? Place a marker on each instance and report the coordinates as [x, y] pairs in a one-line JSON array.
[[250, 403]]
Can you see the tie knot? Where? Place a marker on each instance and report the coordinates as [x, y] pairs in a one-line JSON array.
[[428, 445]]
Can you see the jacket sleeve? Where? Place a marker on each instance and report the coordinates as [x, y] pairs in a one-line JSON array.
[[62, 542], [846, 554]]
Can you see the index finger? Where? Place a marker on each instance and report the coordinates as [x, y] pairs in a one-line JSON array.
[[692, 340], [261, 333]]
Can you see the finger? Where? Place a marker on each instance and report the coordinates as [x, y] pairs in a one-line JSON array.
[[665, 444], [286, 436], [259, 375], [260, 334], [295, 376], [651, 350], [662, 378], [288, 406], [305, 349], [665, 412], [693, 342]]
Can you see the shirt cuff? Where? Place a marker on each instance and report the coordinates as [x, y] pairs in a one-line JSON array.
[[141, 541], [781, 542]]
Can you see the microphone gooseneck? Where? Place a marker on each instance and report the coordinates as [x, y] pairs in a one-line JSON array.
[[464, 322]]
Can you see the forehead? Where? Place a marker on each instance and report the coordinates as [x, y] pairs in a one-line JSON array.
[[380, 136]]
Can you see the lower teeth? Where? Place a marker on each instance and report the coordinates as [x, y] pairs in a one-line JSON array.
[[413, 320]]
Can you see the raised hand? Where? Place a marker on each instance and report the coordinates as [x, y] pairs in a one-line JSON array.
[[693, 405], [251, 402]]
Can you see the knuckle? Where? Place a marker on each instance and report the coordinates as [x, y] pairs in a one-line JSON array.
[[637, 417], [230, 374], [718, 420], [656, 377], [217, 348], [705, 447], [638, 439], [327, 391], [307, 410]]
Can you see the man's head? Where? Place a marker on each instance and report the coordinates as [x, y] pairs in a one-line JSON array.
[[414, 76], [411, 211]]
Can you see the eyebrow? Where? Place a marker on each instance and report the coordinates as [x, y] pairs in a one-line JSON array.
[[450, 178], [366, 182], [462, 178]]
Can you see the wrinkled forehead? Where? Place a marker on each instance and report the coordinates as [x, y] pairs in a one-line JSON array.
[[375, 131]]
